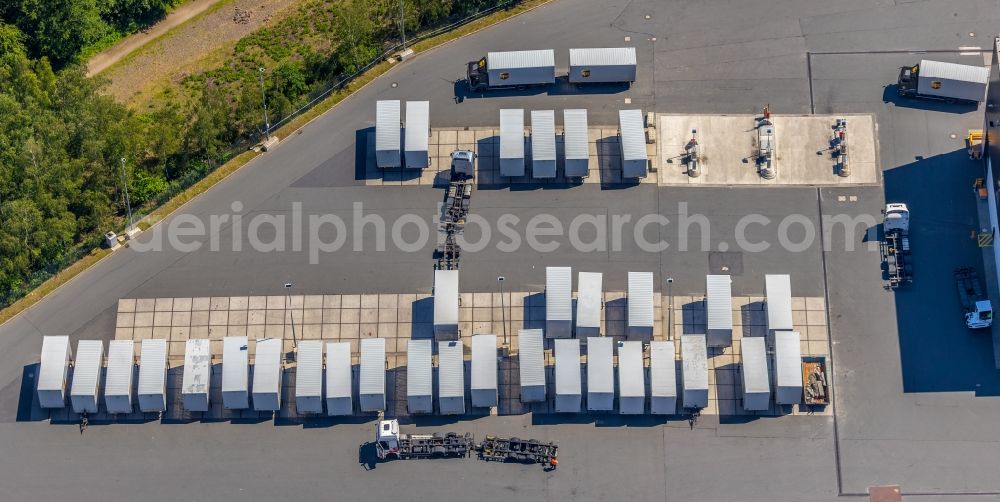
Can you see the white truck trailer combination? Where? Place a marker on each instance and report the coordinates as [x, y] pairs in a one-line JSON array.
[[535, 68]]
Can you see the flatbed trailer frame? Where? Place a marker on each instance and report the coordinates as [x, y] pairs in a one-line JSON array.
[[895, 249], [526, 451], [437, 445]]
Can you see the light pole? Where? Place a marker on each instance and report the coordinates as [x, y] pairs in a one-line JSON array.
[[291, 313], [402, 24], [670, 305], [263, 100], [128, 203], [503, 311]]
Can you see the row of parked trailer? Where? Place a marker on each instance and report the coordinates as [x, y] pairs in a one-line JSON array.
[[409, 148], [532, 68], [560, 321], [337, 394]]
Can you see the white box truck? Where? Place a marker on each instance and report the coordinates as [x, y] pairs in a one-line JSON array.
[[950, 82]]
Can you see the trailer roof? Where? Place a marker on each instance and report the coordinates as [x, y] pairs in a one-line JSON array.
[[419, 368], [267, 366], [952, 71], [520, 59], [631, 372], [152, 366], [234, 364], [662, 369], [451, 369], [484, 361], [600, 364], [445, 297], [558, 293], [575, 135], [87, 370], [121, 365], [531, 356], [338, 369], [543, 135], [567, 352], [417, 125], [309, 369], [788, 359], [779, 301], [694, 359], [512, 133], [54, 362], [640, 299], [588, 302], [387, 125], [633, 135], [610, 56], [720, 301], [197, 366], [372, 366], [754, 365]]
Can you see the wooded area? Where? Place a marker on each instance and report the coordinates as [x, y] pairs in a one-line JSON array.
[[61, 140]]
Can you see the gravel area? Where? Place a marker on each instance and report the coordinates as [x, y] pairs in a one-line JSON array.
[[173, 56]]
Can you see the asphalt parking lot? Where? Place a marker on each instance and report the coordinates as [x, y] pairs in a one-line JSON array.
[[916, 394]]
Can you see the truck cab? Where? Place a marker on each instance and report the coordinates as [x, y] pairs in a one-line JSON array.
[[906, 85], [477, 75], [897, 218], [387, 438], [981, 317], [463, 163]]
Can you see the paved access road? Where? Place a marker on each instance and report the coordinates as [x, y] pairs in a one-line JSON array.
[[938, 437]]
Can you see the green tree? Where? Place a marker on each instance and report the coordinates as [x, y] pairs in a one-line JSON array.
[[58, 29]]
